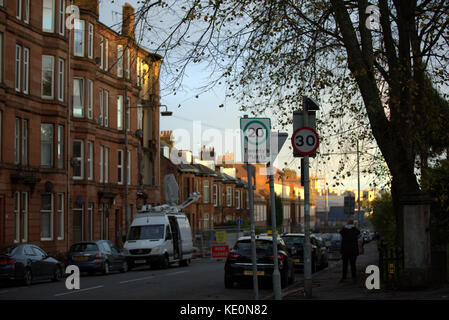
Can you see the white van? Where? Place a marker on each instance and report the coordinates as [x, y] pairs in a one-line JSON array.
[[159, 239]]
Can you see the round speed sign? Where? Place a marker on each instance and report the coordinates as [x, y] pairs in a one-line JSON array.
[[305, 141]]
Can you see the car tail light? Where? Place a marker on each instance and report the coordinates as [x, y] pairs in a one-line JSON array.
[[280, 256], [99, 256], [233, 255], [9, 261]]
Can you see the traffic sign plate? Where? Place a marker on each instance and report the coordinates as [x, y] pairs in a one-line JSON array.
[[256, 139], [305, 141]]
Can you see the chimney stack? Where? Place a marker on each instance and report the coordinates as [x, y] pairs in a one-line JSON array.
[[91, 5], [128, 22]]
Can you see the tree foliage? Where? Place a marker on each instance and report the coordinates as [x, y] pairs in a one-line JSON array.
[[436, 184], [383, 218], [382, 86]]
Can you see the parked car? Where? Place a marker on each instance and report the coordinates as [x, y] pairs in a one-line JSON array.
[[238, 265], [321, 250], [335, 246], [97, 256], [27, 263], [295, 243]]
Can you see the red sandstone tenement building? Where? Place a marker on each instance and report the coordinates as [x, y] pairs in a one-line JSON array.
[[63, 162]]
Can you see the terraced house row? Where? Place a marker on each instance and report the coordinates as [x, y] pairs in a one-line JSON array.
[[69, 100]]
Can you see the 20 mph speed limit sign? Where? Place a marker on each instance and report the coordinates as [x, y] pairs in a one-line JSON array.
[[305, 141]]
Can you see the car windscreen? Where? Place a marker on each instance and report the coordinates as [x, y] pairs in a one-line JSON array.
[[262, 247], [293, 241], [9, 250], [149, 232], [84, 247]]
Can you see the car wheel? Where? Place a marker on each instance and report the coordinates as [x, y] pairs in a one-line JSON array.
[[27, 277], [57, 275], [313, 265], [106, 269], [292, 277], [165, 262], [125, 267], [284, 279], [229, 282]]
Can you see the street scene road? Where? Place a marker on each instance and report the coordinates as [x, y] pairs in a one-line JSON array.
[[180, 149], [202, 280]]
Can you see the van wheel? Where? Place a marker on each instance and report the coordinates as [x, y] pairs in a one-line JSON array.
[[184, 263], [165, 263]]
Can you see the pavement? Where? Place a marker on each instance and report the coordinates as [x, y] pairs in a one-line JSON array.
[[326, 284]]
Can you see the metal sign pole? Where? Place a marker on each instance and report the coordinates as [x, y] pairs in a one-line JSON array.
[[276, 273], [251, 214], [307, 246], [253, 232]]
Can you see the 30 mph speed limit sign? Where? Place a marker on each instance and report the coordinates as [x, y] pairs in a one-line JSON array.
[[305, 141]]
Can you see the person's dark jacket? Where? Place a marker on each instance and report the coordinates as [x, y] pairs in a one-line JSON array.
[[349, 240]]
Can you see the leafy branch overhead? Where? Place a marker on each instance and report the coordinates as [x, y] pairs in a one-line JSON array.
[[384, 86]]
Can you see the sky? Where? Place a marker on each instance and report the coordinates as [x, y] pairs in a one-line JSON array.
[[198, 121]]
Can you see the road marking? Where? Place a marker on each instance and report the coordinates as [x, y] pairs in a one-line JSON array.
[[136, 279], [173, 273], [2, 292], [76, 291]]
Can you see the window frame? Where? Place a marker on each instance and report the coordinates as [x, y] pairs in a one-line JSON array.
[[82, 98], [61, 79], [120, 102], [90, 99], [101, 164], [229, 196], [19, 9], [81, 158], [26, 70], [60, 216], [24, 142], [120, 55], [90, 40], [51, 212], [61, 26], [48, 142], [120, 165], [17, 140], [52, 16], [90, 160], [26, 12], [82, 24], [18, 68], [206, 193], [52, 59], [106, 164], [60, 147]]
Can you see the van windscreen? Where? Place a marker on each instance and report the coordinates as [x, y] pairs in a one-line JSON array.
[[150, 232]]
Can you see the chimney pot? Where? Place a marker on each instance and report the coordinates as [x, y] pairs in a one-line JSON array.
[[128, 22]]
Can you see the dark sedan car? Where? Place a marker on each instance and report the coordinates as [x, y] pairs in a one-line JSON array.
[[238, 266], [26, 263], [295, 243], [97, 256]]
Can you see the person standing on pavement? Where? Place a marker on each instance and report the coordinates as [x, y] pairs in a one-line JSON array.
[[349, 248]]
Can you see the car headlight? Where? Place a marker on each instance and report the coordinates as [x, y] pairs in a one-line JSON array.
[[156, 250]]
